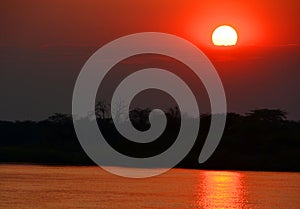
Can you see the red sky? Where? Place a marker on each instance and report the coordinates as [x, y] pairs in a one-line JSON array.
[[32, 22], [43, 43]]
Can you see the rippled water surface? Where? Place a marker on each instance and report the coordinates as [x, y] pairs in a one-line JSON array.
[[26, 186]]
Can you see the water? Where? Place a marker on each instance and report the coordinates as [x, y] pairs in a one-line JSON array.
[[25, 186]]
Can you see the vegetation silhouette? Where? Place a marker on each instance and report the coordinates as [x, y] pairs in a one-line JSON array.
[[262, 139]]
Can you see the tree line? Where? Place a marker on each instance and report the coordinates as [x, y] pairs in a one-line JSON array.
[[261, 139]]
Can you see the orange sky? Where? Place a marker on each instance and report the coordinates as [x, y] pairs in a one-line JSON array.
[[43, 45]]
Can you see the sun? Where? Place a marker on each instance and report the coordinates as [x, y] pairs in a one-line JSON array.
[[224, 36]]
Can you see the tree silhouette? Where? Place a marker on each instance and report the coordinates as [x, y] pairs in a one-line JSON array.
[[140, 118], [119, 111], [101, 109], [270, 115], [60, 118]]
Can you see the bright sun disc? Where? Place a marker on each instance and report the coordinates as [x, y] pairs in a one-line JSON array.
[[224, 36]]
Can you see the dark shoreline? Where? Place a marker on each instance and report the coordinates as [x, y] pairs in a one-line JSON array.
[[82, 165]]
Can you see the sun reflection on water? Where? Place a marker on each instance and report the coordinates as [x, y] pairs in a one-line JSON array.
[[221, 189]]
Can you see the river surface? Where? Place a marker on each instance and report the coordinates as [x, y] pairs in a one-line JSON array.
[[31, 186]]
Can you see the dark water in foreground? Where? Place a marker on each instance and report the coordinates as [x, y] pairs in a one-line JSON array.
[[91, 187]]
